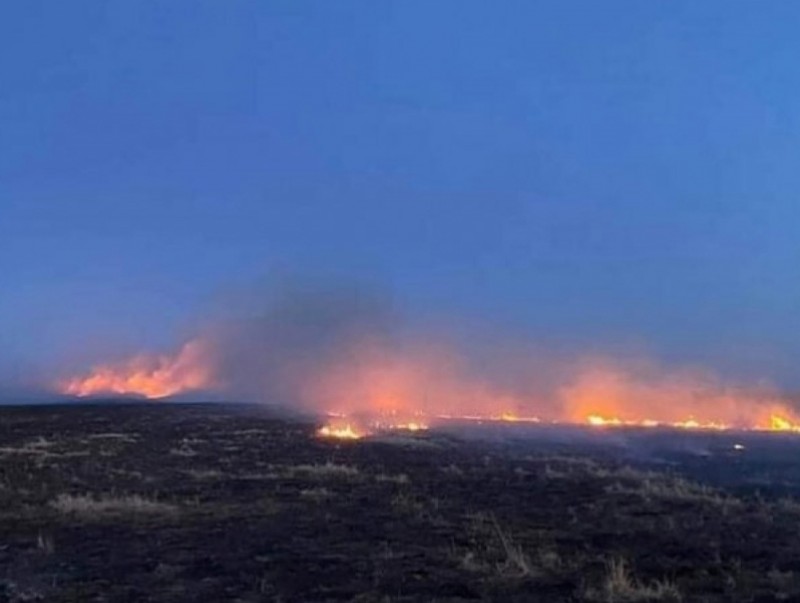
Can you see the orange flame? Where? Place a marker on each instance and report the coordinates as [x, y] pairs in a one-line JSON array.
[[148, 376], [604, 395], [779, 423], [416, 386], [343, 432]]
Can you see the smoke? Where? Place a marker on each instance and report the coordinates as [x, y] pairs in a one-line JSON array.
[[624, 389], [349, 350], [273, 353]]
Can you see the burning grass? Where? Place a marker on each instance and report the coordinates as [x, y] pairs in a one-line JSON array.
[[342, 432], [377, 384]]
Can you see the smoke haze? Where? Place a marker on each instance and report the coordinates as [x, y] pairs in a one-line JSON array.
[[349, 350]]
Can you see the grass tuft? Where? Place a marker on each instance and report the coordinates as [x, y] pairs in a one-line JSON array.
[[83, 505], [620, 586]]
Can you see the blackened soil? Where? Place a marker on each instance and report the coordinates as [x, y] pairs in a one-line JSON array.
[[178, 502]]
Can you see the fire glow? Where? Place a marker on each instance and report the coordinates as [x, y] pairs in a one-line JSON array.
[[776, 423], [375, 388], [349, 432], [341, 432], [147, 376]]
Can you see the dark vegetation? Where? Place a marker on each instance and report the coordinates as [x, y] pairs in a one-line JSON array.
[[160, 502]]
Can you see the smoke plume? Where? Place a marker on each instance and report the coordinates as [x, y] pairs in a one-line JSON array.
[[348, 351]]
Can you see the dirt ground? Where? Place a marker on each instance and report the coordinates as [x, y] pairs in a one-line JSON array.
[[145, 502]]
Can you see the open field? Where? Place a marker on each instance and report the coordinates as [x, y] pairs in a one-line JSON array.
[[168, 502]]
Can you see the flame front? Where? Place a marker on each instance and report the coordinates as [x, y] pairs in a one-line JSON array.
[[779, 423], [429, 387], [775, 423], [148, 376], [603, 395], [341, 432], [375, 387]]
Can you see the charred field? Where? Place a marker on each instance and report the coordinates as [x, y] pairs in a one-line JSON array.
[[211, 502]]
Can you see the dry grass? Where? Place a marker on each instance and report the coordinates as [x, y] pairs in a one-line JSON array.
[[316, 494], [40, 442], [45, 544], [408, 503], [405, 440], [552, 472], [661, 487], [567, 467], [496, 552], [258, 476], [37, 446], [184, 450], [620, 586], [204, 474], [789, 505], [402, 478], [453, 469], [246, 432], [86, 506], [785, 583], [128, 438], [517, 563], [324, 470], [40, 452]]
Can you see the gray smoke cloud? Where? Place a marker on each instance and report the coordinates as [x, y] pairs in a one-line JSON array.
[[349, 349], [271, 352]]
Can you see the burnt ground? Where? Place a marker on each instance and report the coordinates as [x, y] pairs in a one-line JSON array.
[[178, 502]]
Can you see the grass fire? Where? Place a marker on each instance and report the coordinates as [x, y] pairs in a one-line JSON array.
[[344, 443], [380, 388], [399, 302]]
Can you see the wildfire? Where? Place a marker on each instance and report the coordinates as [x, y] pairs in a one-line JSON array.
[[341, 428], [411, 426], [510, 417], [344, 432], [350, 430], [600, 421], [148, 376], [376, 388], [778, 423]]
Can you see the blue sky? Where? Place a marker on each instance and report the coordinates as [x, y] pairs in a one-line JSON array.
[[584, 171]]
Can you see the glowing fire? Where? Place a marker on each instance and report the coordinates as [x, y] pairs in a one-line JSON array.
[[410, 426], [344, 432], [778, 423], [341, 428], [600, 421], [148, 376], [376, 388], [510, 417], [350, 431]]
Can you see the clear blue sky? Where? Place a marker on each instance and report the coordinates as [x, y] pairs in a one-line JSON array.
[[586, 170]]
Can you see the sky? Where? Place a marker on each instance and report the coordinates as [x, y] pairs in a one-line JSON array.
[[596, 172]]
